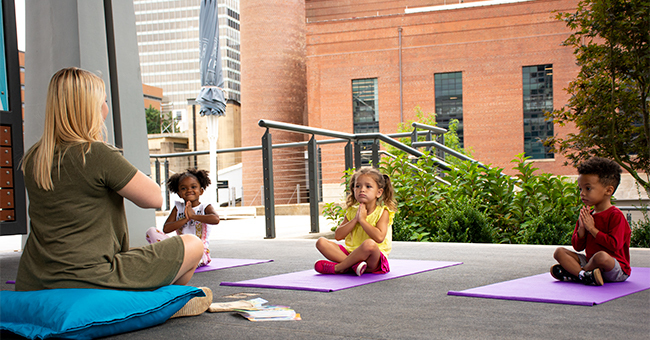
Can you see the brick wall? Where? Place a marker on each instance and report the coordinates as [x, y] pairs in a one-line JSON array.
[[274, 85], [489, 44]]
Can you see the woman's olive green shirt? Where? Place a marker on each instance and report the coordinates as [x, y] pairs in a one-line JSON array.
[[78, 232]]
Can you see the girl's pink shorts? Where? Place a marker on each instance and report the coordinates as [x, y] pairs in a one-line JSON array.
[[383, 262]]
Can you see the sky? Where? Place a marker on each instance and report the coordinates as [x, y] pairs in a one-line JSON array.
[[20, 23]]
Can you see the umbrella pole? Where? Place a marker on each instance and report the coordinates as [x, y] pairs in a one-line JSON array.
[[213, 134]]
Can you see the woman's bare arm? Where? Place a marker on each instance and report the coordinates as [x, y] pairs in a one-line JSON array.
[[143, 191]]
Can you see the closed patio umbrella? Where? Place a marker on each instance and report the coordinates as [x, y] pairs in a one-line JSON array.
[[212, 96]]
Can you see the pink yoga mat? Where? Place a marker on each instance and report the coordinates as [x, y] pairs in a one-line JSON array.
[[311, 280], [544, 288], [221, 263]]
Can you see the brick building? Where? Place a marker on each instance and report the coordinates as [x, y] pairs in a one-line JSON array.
[[493, 54], [495, 65]]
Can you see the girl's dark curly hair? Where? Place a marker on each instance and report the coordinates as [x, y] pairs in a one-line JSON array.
[[173, 183], [608, 171]]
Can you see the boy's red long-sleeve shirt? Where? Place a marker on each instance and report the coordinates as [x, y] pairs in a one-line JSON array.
[[613, 237]]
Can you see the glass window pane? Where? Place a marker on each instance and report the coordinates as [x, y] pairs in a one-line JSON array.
[[365, 111], [537, 82], [364, 105], [449, 100]]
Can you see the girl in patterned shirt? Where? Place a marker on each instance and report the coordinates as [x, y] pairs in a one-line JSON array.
[[189, 216]]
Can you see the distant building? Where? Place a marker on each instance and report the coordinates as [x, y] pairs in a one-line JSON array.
[[168, 44], [153, 97], [495, 65]]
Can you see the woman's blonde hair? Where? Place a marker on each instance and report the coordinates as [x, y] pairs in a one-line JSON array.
[[383, 182], [73, 115]]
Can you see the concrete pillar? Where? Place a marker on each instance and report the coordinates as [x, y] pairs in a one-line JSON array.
[[98, 36]]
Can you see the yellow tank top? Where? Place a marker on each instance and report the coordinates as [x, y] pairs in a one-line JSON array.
[[358, 235]]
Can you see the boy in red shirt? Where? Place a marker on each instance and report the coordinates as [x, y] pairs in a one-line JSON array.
[[603, 232]]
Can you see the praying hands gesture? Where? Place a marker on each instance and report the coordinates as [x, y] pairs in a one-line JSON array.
[[586, 223], [189, 212], [362, 213]]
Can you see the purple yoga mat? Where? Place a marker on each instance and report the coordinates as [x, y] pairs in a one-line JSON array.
[[311, 280], [216, 264], [220, 263], [544, 288]]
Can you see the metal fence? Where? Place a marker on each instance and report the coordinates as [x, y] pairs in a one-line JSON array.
[[353, 151], [302, 163]]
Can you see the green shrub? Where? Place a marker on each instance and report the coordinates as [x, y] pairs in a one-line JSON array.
[[416, 196], [641, 233], [335, 213], [551, 227], [478, 205], [525, 208], [462, 221]]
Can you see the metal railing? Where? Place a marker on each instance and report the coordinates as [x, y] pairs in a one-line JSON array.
[[439, 146], [162, 166], [353, 152], [353, 149], [629, 210]]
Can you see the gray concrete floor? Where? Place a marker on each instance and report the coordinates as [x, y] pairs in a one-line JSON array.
[[412, 307]]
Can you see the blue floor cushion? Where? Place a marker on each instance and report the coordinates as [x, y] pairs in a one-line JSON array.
[[88, 313]]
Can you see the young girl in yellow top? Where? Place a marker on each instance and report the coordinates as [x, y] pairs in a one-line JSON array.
[[367, 227]]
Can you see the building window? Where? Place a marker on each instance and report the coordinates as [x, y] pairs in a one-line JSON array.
[[233, 24], [365, 111], [233, 14], [449, 100], [364, 105], [538, 99]]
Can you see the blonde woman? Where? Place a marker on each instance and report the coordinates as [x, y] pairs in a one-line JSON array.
[[76, 184]]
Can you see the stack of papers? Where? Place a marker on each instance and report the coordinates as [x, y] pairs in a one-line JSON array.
[[216, 307], [254, 310]]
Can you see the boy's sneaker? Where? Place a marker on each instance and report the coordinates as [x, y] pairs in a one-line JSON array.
[[560, 274], [359, 268], [592, 278], [325, 267]]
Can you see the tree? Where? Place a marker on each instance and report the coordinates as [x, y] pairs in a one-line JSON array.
[[154, 120], [610, 96], [451, 139]]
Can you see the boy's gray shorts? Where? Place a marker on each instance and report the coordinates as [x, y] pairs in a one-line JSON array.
[[614, 275]]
